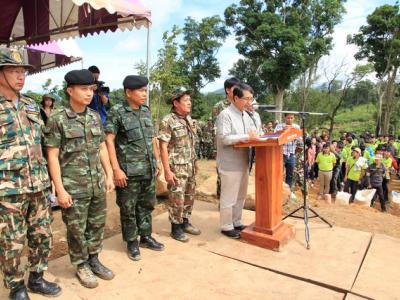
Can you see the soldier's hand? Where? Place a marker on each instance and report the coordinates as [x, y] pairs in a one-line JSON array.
[[158, 169], [171, 178], [109, 184], [120, 178], [64, 199]]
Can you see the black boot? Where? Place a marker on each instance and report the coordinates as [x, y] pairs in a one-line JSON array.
[[149, 242], [37, 284], [177, 233], [189, 228], [19, 292], [133, 250], [99, 269]]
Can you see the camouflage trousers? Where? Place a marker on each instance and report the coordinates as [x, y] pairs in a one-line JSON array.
[[298, 181], [181, 196], [85, 221], [136, 202], [26, 216]]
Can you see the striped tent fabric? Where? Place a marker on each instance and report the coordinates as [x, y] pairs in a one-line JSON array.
[[39, 21]]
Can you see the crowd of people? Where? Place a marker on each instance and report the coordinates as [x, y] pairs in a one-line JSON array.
[[350, 163]]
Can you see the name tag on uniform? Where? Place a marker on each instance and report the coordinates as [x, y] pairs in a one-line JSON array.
[[31, 108]]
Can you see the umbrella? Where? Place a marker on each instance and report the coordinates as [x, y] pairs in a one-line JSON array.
[[40, 21], [52, 55]]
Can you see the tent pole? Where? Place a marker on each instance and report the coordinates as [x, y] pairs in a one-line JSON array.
[[148, 64]]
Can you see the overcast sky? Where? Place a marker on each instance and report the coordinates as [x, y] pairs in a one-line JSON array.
[[116, 53]]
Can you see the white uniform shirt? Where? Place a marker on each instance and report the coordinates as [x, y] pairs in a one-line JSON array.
[[233, 126]]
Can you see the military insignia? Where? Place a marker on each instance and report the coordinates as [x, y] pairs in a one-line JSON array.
[[31, 107], [15, 55]]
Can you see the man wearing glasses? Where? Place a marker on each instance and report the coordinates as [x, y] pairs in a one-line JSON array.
[[234, 125], [24, 182]]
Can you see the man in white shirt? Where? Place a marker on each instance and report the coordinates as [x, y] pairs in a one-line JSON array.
[[289, 152], [234, 125]]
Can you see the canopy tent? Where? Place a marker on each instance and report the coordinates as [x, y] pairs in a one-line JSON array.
[[52, 55], [33, 22]]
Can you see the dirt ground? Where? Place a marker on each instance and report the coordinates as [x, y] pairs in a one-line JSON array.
[[351, 216]]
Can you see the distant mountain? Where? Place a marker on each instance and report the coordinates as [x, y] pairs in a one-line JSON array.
[[219, 91]]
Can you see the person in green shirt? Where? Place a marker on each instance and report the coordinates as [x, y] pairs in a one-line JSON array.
[[326, 161], [387, 162], [355, 170]]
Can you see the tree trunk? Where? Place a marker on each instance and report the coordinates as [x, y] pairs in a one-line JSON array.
[[279, 103], [389, 93]]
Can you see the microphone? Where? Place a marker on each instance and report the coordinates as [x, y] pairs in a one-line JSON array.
[[264, 107]]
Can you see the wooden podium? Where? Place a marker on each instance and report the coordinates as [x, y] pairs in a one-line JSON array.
[[268, 230]]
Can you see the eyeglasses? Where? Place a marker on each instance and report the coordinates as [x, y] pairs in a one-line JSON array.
[[250, 99]]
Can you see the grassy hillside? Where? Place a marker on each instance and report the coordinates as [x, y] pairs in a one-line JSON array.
[[355, 119]]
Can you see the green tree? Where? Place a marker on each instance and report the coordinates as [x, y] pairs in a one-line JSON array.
[[285, 37], [246, 70], [379, 42]]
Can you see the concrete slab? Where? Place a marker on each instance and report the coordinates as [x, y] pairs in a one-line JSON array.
[[350, 296], [380, 272], [334, 258], [185, 271]]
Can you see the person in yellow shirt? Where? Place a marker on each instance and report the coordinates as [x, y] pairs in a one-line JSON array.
[[355, 170], [326, 161], [387, 162]]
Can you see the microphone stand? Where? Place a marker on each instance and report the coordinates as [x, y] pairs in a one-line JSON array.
[[305, 207]]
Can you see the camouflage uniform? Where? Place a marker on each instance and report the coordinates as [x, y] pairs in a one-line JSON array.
[[78, 136], [208, 140], [24, 182], [298, 173], [134, 133], [178, 132], [199, 139]]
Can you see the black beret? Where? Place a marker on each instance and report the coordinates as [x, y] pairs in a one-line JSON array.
[[79, 77], [133, 82]]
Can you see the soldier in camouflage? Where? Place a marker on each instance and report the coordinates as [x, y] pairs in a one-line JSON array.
[[298, 173], [208, 140], [24, 183], [134, 157], [177, 141], [77, 155], [197, 128], [229, 85]]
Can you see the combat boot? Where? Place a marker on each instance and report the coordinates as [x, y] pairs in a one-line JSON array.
[[133, 250], [177, 233], [86, 276], [149, 242], [189, 228], [37, 284], [99, 269], [19, 292]]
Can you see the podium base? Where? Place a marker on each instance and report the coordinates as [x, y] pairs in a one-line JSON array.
[[280, 236]]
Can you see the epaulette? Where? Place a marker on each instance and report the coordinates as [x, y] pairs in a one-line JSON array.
[[145, 107]]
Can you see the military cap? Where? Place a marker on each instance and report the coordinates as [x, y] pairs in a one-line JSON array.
[[178, 93], [79, 77], [13, 58], [50, 96], [134, 82]]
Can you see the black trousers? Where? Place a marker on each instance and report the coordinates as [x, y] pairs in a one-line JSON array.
[[379, 192], [385, 186], [335, 181], [351, 187]]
